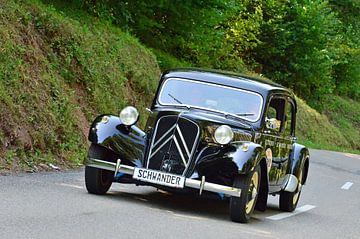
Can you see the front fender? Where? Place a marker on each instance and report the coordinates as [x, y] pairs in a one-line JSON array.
[[299, 158], [128, 142], [246, 155]]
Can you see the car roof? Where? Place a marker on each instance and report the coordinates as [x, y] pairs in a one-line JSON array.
[[242, 81]]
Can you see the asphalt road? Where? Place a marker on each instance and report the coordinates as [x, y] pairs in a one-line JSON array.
[[56, 205]]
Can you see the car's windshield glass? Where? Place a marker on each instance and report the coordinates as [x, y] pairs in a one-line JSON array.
[[243, 103]]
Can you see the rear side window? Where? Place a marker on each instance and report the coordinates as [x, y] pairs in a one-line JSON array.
[[276, 110], [289, 118]]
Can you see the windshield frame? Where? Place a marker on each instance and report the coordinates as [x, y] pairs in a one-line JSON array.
[[210, 109]]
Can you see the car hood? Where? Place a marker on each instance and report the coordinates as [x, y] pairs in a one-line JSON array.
[[203, 118]]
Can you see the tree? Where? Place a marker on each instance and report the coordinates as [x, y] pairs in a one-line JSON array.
[[297, 39]]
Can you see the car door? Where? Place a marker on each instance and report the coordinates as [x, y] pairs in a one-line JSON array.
[[286, 138], [272, 138]]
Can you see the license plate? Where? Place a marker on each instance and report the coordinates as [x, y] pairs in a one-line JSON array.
[[157, 177]]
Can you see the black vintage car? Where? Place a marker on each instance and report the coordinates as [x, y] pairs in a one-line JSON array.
[[207, 131]]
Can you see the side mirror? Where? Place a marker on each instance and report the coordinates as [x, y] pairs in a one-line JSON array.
[[272, 123]]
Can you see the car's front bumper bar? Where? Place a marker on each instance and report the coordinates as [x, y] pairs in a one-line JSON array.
[[191, 183]]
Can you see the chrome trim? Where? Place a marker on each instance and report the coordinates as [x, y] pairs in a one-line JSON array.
[[117, 167], [162, 145], [213, 84], [166, 133], [153, 138], [191, 183], [180, 152], [213, 187], [290, 183], [202, 184], [97, 163], [183, 140], [173, 136], [196, 142]]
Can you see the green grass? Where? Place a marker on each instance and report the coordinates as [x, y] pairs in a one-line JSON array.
[[330, 147], [58, 69], [167, 61], [336, 129], [344, 113]]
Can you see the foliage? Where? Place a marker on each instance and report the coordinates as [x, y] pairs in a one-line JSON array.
[[242, 30], [344, 113], [347, 70], [297, 46], [188, 30], [56, 72], [310, 46], [167, 61]]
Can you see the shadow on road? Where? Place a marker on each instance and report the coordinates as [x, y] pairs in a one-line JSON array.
[[207, 206]]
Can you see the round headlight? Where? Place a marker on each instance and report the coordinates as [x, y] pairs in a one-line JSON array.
[[129, 115], [223, 134]]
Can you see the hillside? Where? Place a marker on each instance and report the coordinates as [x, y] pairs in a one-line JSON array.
[[56, 74], [337, 129], [58, 70]]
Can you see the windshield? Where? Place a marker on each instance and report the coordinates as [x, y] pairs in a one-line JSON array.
[[245, 104]]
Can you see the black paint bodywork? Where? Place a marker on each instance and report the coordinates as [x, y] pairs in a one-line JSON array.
[[218, 163]]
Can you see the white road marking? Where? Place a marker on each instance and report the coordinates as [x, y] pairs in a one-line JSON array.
[[188, 217], [261, 233], [70, 185], [355, 156], [290, 214], [347, 186]]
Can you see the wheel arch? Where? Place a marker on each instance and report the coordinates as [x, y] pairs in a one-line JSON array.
[[98, 151], [246, 155], [264, 186], [264, 172], [299, 158], [306, 170], [128, 142]]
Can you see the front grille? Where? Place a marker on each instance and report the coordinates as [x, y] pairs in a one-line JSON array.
[[173, 144]]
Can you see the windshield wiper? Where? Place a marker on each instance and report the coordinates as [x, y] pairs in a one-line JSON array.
[[245, 114], [178, 101], [238, 117], [229, 115]]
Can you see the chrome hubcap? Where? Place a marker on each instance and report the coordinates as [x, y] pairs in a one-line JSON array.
[[252, 193]]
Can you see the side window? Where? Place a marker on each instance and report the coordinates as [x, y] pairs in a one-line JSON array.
[[289, 117], [275, 114]]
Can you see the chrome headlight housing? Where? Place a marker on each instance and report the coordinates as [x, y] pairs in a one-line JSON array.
[[223, 134], [129, 115]]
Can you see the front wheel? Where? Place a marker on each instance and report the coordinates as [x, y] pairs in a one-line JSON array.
[[289, 200], [242, 207], [98, 181]]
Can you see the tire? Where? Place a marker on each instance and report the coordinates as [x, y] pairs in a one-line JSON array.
[[98, 181], [242, 207], [289, 200]]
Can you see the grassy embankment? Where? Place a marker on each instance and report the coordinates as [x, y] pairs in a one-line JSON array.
[[338, 128], [59, 69], [56, 74]]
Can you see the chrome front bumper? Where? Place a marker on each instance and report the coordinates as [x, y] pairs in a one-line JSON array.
[[191, 183]]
